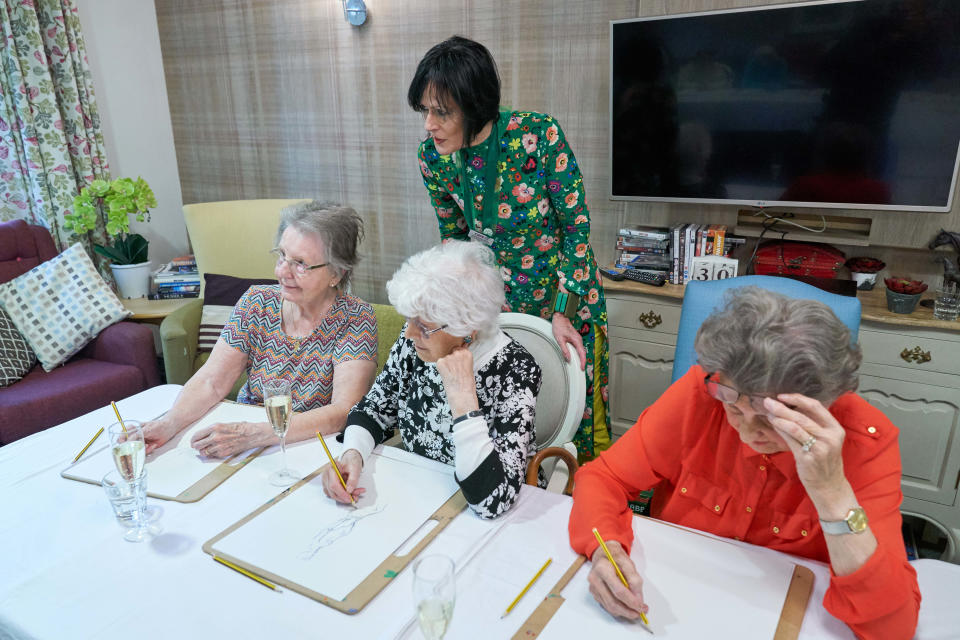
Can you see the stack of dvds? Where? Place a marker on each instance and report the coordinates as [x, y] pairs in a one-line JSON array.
[[177, 279], [645, 249]]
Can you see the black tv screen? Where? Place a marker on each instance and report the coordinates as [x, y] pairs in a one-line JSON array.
[[844, 104]]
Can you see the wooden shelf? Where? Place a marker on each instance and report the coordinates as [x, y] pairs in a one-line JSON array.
[[839, 230]]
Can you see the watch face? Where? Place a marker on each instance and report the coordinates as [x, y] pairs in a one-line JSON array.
[[857, 520]]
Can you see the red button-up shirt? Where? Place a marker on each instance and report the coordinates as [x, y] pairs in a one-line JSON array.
[[707, 479]]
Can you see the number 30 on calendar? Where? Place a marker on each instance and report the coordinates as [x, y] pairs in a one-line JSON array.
[[713, 268]]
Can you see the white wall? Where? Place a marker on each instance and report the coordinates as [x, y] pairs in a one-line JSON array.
[[123, 47]]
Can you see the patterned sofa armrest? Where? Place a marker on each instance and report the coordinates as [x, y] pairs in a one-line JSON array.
[[179, 333], [127, 343]]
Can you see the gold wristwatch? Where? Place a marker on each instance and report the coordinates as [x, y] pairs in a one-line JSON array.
[[855, 522]]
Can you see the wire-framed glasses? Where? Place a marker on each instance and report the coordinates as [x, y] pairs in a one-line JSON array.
[[729, 395], [426, 333], [298, 267]]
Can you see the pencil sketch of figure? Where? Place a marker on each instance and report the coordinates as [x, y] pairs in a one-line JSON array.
[[338, 529]]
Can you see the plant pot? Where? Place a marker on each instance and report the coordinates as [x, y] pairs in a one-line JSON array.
[[902, 302], [133, 280], [865, 281]]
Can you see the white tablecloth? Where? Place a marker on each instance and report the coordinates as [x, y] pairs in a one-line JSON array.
[[66, 572]]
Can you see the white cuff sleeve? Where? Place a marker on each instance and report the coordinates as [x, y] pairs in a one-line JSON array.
[[358, 438], [472, 443]]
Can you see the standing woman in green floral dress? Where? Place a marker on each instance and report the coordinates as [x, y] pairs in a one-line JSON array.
[[509, 179]]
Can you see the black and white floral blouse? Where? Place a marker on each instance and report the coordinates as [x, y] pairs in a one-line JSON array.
[[409, 395]]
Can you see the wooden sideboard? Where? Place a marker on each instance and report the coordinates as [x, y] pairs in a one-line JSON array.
[[910, 370]]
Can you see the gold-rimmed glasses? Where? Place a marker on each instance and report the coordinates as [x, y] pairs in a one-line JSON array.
[[298, 267], [729, 395]]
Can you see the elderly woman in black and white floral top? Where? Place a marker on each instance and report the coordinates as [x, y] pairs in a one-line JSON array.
[[459, 389]]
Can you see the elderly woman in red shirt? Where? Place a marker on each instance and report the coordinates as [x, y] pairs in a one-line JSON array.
[[764, 441]]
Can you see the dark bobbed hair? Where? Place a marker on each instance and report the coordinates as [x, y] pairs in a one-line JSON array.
[[462, 71]]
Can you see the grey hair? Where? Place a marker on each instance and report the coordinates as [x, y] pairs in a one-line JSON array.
[[457, 284], [767, 343], [339, 228]]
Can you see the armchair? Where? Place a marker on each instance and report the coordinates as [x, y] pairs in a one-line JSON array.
[[119, 362]]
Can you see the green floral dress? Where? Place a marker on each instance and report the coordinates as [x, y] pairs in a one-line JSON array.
[[539, 233]]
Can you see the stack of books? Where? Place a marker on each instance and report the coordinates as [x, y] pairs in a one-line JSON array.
[[689, 241], [670, 251], [177, 279]]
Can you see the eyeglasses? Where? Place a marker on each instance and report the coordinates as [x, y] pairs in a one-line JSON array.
[[729, 395], [438, 113], [426, 333], [298, 267]]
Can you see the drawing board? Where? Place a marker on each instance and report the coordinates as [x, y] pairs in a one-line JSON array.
[[338, 554], [692, 582], [176, 471], [489, 580]]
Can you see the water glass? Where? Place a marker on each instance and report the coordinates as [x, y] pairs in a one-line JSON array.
[[946, 306], [434, 594], [123, 496]]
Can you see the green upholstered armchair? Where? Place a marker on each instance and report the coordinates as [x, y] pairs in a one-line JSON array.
[[179, 334]]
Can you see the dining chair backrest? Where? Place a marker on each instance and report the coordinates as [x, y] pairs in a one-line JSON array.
[[701, 298], [564, 386]]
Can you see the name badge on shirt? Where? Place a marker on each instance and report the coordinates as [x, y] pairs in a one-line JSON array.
[[476, 236]]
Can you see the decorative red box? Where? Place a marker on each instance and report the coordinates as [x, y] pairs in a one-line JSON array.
[[798, 258]]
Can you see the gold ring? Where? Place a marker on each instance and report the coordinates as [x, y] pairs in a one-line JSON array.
[[809, 443]]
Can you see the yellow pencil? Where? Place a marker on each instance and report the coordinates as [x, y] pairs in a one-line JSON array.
[[335, 468], [119, 419], [614, 563], [527, 588], [252, 576], [95, 436]]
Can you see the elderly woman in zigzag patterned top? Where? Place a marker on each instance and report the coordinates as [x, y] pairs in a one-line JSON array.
[[305, 329]]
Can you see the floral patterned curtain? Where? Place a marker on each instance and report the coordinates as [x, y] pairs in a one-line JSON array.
[[50, 140]]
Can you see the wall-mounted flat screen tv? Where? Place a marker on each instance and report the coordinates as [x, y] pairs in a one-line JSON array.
[[841, 104]]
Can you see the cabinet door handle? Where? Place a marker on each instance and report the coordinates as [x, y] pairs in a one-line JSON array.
[[650, 319], [916, 355]]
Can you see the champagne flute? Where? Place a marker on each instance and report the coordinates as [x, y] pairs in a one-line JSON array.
[[434, 594], [279, 405], [130, 456]]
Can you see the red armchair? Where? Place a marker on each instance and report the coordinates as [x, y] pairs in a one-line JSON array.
[[120, 362]]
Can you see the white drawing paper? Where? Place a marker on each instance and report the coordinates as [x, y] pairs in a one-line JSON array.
[[310, 540], [176, 466], [696, 586]]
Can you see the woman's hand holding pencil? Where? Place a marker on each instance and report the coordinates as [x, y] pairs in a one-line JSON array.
[[346, 490], [608, 587]]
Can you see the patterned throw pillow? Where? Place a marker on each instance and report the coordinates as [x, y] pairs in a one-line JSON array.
[[220, 295], [61, 305], [16, 356]]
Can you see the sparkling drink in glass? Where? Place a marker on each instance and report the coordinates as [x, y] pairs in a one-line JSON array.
[[130, 456], [278, 402], [434, 594]]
